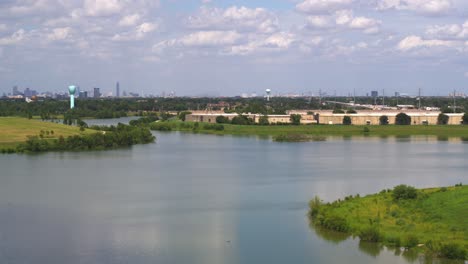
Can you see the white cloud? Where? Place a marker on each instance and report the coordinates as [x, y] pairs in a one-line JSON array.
[[322, 6], [234, 18], [140, 32], [3, 27], [15, 38], [429, 7], [102, 7], [145, 28], [59, 34], [276, 42], [368, 25], [319, 22], [129, 20], [412, 42], [450, 31], [210, 38]]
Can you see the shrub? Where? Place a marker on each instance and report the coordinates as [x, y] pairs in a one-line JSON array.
[[242, 120], [402, 119], [295, 119], [465, 119], [453, 251], [383, 120], [161, 126], [370, 234], [442, 119], [336, 222], [217, 127], [351, 111], [404, 192], [314, 206], [222, 120], [411, 241], [338, 111], [346, 120], [263, 120], [182, 115]]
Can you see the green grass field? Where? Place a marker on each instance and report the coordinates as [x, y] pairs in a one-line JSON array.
[[328, 130], [14, 130], [436, 217]]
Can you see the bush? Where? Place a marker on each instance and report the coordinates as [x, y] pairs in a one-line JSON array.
[[383, 120], [402, 119], [335, 222], [442, 119], [242, 120], [182, 115], [161, 126], [314, 206], [351, 111], [263, 120], [217, 127], [338, 111], [404, 192], [453, 251], [346, 120], [222, 120], [370, 234], [465, 119], [295, 119], [411, 241]]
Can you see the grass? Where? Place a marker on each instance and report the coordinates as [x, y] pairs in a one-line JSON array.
[[436, 220], [327, 130], [15, 130]]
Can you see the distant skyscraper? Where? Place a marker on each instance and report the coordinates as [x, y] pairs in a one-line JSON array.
[[83, 94], [374, 93], [97, 92], [15, 90], [117, 90]]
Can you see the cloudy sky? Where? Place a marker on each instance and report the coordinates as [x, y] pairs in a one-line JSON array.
[[219, 47]]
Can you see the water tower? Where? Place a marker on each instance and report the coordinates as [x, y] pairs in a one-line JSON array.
[[268, 92], [72, 90]]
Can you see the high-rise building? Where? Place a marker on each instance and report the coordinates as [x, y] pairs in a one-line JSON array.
[[97, 92], [117, 90], [374, 93], [83, 94], [15, 91]]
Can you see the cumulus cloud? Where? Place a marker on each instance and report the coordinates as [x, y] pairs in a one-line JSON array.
[[234, 18], [322, 6], [129, 20], [59, 34], [210, 38], [102, 7], [429, 7], [344, 19], [14, 38], [412, 42], [450, 31]]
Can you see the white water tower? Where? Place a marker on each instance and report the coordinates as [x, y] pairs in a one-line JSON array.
[[268, 93]]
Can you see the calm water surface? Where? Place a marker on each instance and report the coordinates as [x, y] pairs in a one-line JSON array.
[[206, 199]]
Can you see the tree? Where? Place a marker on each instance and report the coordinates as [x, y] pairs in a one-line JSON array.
[[295, 119], [338, 111], [346, 120], [183, 114], [465, 119], [242, 120], [351, 111], [404, 192], [402, 119], [222, 120], [442, 119], [263, 120], [383, 120]]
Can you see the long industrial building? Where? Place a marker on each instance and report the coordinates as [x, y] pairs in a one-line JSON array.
[[329, 118]]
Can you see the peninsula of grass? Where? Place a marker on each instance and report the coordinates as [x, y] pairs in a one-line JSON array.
[[19, 135], [308, 132], [431, 220]]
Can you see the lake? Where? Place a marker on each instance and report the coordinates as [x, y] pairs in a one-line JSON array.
[[193, 198]]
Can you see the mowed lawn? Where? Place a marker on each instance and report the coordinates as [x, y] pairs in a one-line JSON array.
[[14, 130]]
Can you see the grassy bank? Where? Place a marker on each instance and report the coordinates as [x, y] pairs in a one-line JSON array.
[[315, 130], [432, 220], [15, 130]]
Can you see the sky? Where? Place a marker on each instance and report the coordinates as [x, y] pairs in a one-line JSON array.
[[225, 48]]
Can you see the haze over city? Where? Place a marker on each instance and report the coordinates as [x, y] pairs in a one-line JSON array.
[[227, 48]]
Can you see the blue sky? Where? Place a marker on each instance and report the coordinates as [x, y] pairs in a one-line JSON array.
[[214, 47]]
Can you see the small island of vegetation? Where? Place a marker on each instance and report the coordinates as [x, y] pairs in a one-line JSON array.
[[431, 220], [21, 135]]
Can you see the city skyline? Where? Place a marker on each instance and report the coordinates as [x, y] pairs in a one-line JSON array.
[[226, 48]]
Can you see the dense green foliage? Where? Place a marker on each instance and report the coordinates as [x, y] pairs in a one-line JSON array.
[[404, 192], [222, 120], [465, 119], [383, 120], [402, 119], [263, 120], [110, 137], [295, 119], [442, 119], [432, 219], [242, 120], [346, 120]]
